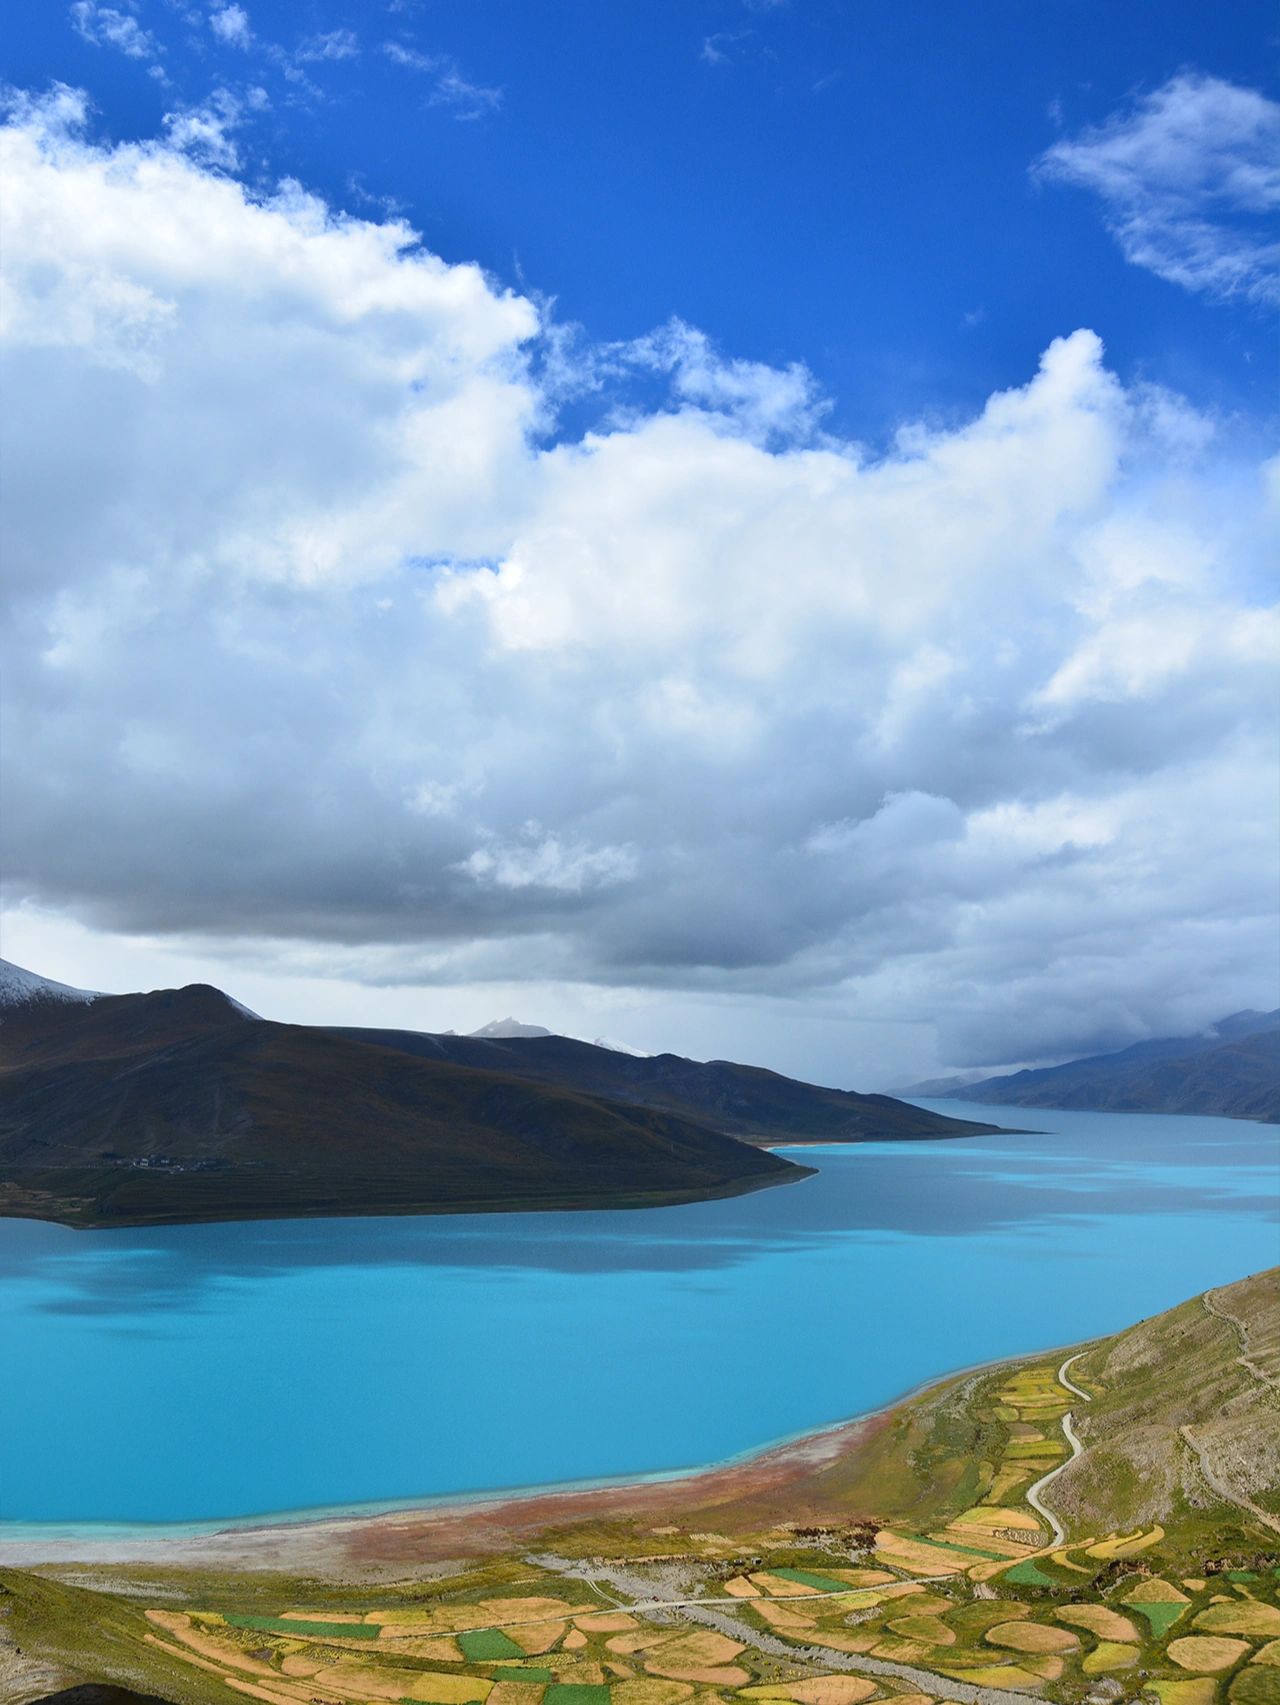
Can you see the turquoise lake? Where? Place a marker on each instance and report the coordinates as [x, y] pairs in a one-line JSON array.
[[226, 1371]]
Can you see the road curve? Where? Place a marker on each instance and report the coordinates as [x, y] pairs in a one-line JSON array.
[[1069, 1433]]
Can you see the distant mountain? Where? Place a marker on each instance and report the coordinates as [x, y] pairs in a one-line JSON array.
[[22, 988], [501, 1029], [507, 1029], [743, 1101], [941, 1086], [1233, 1070], [180, 1105], [183, 1105]]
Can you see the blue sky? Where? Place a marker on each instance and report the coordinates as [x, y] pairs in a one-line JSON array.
[[748, 527], [845, 185]]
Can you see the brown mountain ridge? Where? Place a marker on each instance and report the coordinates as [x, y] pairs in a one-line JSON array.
[[181, 1105]]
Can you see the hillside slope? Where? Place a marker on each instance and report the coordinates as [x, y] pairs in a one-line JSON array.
[[1235, 1072], [181, 1105], [742, 1101]]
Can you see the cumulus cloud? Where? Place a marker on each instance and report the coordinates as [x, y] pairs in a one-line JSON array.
[[316, 633], [1190, 179], [107, 26], [205, 131], [231, 26]]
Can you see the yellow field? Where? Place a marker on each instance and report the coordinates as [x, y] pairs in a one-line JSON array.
[[783, 1618], [1201, 1692], [1156, 1592], [727, 1676], [1031, 1637], [515, 1693], [928, 1629], [923, 1559], [995, 1675], [625, 1644], [643, 1691], [1244, 1617], [437, 1648], [985, 1517], [1125, 1545], [703, 1649], [1211, 1652], [535, 1637], [1109, 1655], [778, 1587], [1097, 1619]]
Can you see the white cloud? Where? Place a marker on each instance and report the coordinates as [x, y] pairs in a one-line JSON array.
[[539, 860], [765, 403], [1190, 178], [106, 26], [448, 87], [231, 26], [718, 48], [313, 638], [331, 45], [204, 131]]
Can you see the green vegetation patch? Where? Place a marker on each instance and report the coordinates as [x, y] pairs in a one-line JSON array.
[[1161, 1616], [575, 1693], [312, 1630], [1030, 1574], [951, 1545], [806, 1578], [482, 1645], [517, 1673], [1256, 1684]]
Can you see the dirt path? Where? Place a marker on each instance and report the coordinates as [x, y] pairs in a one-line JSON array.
[[1199, 1449], [712, 1614], [1225, 1492], [1069, 1433], [1242, 1334]]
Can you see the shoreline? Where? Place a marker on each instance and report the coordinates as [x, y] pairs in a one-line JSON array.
[[283, 1539]]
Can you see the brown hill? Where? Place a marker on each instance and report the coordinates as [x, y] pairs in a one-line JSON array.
[[179, 1105], [743, 1101]]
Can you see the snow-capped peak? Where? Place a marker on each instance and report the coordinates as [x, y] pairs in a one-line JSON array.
[[504, 1029], [18, 987], [500, 1029]]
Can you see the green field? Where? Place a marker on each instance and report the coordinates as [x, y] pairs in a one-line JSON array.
[[483, 1645], [317, 1630], [806, 1578]]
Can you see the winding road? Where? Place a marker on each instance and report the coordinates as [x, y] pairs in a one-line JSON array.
[[1069, 1433]]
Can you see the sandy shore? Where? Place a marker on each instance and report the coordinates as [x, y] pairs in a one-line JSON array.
[[787, 1482], [356, 1544]]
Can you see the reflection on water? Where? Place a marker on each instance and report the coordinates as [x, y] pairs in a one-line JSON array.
[[318, 1362]]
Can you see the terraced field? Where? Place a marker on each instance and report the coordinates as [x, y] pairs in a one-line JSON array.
[[865, 1633]]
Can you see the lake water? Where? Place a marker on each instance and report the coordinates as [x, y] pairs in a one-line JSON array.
[[220, 1371]]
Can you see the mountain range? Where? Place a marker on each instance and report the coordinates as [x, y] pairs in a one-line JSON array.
[[181, 1104], [1233, 1069]]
